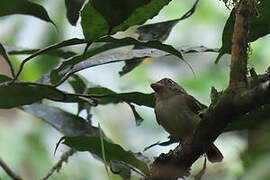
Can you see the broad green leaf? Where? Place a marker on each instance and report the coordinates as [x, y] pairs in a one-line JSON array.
[[4, 78], [17, 94], [93, 24], [111, 43], [5, 55], [105, 17], [259, 27], [73, 10], [64, 122], [109, 96], [11, 7], [113, 152]]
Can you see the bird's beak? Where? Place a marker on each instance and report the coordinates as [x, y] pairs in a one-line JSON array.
[[157, 86]]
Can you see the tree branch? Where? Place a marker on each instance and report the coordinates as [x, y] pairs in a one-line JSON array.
[[58, 165], [246, 9]]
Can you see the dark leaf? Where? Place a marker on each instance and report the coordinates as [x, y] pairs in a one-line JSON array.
[[79, 86], [5, 55], [118, 168], [137, 116], [113, 152], [17, 94], [157, 31], [166, 143], [160, 31], [259, 27], [65, 122], [111, 43], [11, 7], [73, 10], [130, 65], [4, 78], [109, 96], [98, 19], [56, 52]]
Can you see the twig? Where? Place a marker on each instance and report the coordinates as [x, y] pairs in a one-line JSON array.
[[57, 167], [5, 167]]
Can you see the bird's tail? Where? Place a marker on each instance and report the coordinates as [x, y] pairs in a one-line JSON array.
[[213, 154]]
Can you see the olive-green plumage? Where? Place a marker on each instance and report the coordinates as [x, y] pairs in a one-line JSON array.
[[177, 112]]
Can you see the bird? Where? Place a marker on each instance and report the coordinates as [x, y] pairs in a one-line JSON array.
[[178, 113]]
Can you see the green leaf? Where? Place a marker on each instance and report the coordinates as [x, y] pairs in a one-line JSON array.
[[93, 24], [109, 96], [11, 7], [111, 43], [259, 27], [64, 122], [105, 17], [113, 152], [4, 78], [73, 10], [17, 94], [54, 52], [79, 86], [4, 54]]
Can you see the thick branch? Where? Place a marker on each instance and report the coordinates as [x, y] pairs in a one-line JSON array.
[[246, 9]]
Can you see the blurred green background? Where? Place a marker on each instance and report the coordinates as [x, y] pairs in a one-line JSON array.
[[27, 144]]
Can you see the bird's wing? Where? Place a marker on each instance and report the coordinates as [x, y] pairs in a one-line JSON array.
[[157, 117], [194, 104]]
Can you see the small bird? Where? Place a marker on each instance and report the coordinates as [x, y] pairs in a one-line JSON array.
[[178, 113]]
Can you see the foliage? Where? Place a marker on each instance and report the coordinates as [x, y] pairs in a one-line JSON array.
[[99, 23]]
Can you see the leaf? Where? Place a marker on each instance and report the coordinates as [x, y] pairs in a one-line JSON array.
[[73, 10], [118, 168], [137, 116], [11, 7], [111, 43], [109, 96], [4, 78], [113, 152], [5, 55], [157, 31], [160, 31], [166, 143], [55, 52], [93, 24], [79, 86], [65, 122], [98, 19], [259, 27], [17, 94]]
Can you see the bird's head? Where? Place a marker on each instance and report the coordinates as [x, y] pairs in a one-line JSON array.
[[166, 88]]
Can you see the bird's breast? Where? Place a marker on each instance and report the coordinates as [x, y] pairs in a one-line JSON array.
[[175, 116]]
